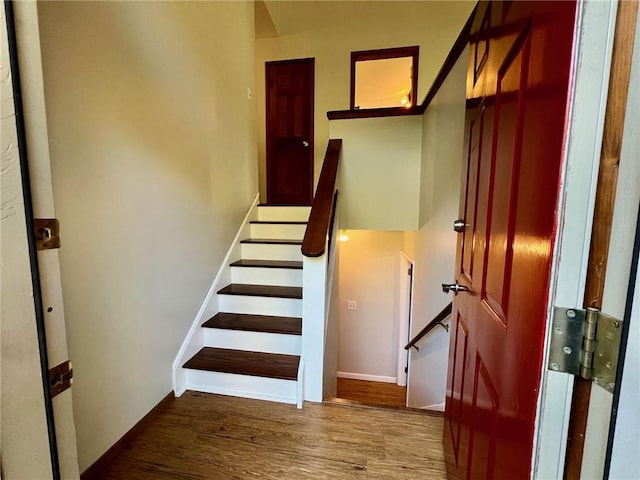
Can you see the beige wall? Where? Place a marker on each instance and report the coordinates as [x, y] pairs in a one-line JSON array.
[[369, 274], [432, 25], [153, 158], [433, 246], [379, 172]]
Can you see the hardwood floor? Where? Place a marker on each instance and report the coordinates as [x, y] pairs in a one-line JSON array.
[[204, 436], [372, 393]]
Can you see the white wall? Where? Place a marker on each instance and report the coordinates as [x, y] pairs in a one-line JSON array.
[[433, 25], [153, 155], [379, 177], [433, 246], [367, 338]]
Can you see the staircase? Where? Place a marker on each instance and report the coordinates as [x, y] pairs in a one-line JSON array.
[[252, 346]]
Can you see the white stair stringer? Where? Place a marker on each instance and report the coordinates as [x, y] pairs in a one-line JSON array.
[[272, 223], [194, 339]]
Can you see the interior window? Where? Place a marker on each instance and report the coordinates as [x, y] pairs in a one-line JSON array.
[[384, 78]]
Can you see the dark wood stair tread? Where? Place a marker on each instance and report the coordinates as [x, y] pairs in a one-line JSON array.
[[268, 263], [255, 323], [272, 241], [259, 364], [261, 290]]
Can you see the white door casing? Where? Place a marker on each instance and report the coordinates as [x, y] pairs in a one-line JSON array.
[[32, 86]]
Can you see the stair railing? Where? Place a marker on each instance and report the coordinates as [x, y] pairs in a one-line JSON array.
[[318, 273], [322, 207], [437, 320]]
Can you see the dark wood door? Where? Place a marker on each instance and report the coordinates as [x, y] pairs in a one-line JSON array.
[[517, 88], [290, 131]]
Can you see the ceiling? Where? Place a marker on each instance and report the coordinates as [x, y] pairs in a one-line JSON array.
[[289, 17]]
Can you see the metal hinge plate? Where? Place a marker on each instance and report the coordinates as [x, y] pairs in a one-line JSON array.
[[60, 378], [585, 343], [47, 233]]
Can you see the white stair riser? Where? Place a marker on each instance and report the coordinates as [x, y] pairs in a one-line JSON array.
[[283, 307], [284, 277], [277, 230], [253, 341], [246, 386], [263, 251], [283, 214]]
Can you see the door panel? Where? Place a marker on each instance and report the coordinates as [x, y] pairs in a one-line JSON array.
[[516, 97], [290, 131], [471, 195], [458, 432], [482, 444], [504, 177]]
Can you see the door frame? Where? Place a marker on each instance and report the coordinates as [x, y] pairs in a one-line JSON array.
[[593, 52], [268, 141], [38, 198], [405, 316]]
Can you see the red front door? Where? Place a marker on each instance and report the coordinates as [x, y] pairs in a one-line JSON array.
[[516, 105], [290, 131]]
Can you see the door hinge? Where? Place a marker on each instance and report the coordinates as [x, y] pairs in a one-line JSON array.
[[60, 378], [47, 233], [585, 343]]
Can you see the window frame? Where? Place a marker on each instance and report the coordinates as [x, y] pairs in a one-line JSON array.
[[383, 54]]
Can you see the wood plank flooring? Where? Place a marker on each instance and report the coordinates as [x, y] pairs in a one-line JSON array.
[[204, 436], [372, 393]]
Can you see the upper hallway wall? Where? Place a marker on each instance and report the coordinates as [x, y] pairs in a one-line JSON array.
[[153, 155], [379, 172], [432, 25]]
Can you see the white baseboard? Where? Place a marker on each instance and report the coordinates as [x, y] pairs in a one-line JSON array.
[[194, 339], [437, 407], [363, 376]]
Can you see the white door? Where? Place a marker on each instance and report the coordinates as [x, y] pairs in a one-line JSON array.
[[27, 436], [587, 123]]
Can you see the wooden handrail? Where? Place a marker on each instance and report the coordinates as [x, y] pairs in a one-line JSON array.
[[437, 320], [316, 234]]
